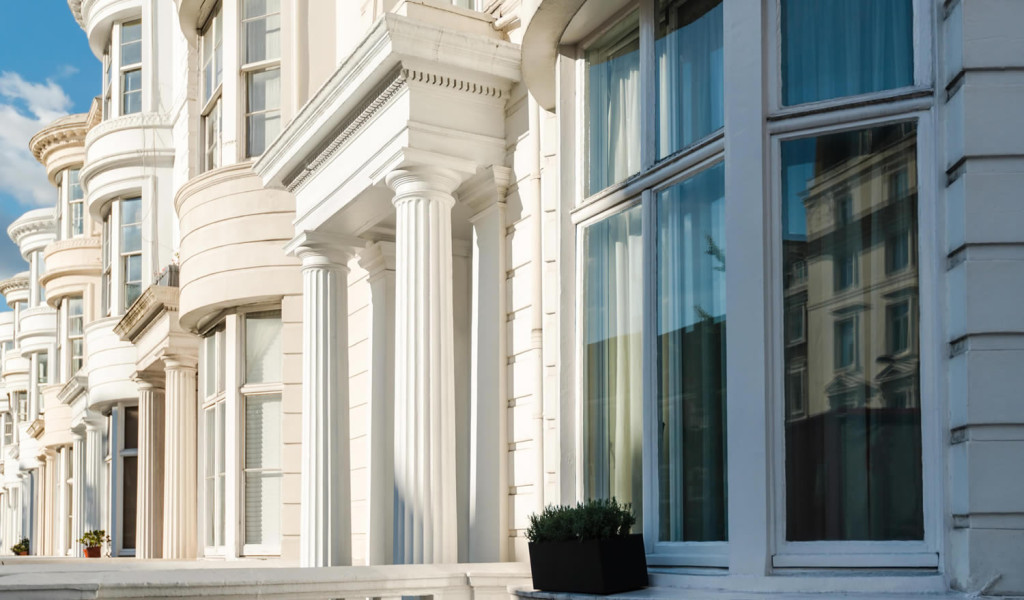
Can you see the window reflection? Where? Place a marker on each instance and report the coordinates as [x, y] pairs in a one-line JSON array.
[[853, 430]]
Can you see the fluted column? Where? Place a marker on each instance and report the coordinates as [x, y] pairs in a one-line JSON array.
[[77, 491], [92, 486], [379, 261], [149, 516], [325, 515], [426, 529], [180, 522]]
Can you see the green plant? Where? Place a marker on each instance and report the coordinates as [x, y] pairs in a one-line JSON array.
[[20, 547], [94, 538], [590, 520]]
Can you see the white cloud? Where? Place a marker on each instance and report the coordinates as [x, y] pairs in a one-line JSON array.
[[25, 108]]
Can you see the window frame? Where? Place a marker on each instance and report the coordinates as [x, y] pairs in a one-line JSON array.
[[123, 69], [756, 423], [217, 402], [849, 115], [246, 70], [211, 151], [124, 257], [655, 175]]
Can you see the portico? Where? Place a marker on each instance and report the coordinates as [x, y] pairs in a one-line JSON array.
[[395, 155]]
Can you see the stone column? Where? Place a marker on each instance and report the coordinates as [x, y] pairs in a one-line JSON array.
[[325, 515], [488, 487], [78, 491], [426, 527], [180, 519], [379, 261], [92, 485], [149, 516], [62, 503]]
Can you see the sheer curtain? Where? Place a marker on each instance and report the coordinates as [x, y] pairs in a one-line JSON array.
[[835, 48], [613, 105], [691, 358], [688, 50], [612, 378], [263, 348]]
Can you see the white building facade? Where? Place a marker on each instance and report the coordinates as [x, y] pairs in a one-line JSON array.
[[368, 283]]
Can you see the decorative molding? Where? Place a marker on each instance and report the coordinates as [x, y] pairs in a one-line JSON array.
[[65, 132], [149, 120], [72, 244], [76, 386], [14, 284], [377, 100], [153, 301], [76, 11], [40, 220]]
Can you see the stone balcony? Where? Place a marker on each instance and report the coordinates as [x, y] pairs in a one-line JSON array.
[[109, 363], [232, 236], [72, 266], [38, 329]]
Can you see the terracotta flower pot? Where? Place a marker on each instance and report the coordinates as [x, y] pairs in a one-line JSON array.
[[25, 553], [92, 552]]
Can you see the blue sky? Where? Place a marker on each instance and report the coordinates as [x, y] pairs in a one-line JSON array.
[[46, 71]]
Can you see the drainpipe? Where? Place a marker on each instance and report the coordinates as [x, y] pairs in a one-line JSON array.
[[537, 309]]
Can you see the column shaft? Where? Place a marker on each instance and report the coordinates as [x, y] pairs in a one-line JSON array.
[[149, 517], [78, 492], [180, 521], [426, 525], [325, 517], [92, 485]]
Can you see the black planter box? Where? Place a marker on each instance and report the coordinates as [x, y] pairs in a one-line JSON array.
[[595, 567]]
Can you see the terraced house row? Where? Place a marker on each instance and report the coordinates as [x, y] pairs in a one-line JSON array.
[[370, 281]]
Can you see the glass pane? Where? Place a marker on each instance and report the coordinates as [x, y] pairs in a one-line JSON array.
[[75, 185], [264, 90], [263, 508], [853, 424], [688, 51], [210, 364], [131, 32], [262, 348], [131, 238], [836, 48], [131, 54], [77, 220], [613, 105], [263, 432], [133, 268], [612, 359], [131, 92], [263, 39], [131, 427], [262, 129], [691, 359], [130, 508]]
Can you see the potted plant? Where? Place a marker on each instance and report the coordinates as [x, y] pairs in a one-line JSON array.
[[587, 548], [21, 548], [93, 542]]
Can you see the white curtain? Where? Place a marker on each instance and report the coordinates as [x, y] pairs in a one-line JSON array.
[[613, 96], [263, 470], [690, 78], [836, 48], [262, 348], [613, 390]]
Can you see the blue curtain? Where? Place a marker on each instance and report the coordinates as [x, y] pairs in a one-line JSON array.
[[836, 48]]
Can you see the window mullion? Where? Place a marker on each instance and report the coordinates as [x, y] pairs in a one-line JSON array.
[[648, 85], [649, 370]]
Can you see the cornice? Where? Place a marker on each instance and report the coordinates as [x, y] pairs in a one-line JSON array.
[[147, 120], [153, 301], [398, 51], [72, 243], [65, 132], [39, 220], [76, 11], [75, 387], [15, 283]]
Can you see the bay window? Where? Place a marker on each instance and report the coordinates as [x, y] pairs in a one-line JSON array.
[[261, 71], [131, 67], [71, 340], [248, 344], [842, 422], [70, 205], [653, 281], [212, 48], [130, 250]]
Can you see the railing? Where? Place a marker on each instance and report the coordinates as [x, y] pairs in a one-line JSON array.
[[140, 579], [168, 276]]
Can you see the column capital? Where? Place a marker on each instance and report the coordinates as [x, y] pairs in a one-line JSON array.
[[173, 363], [377, 257], [486, 190], [318, 249], [423, 181], [144, 383]]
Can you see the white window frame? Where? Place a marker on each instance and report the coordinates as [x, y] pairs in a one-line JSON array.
[[756, 411], [655, 176], [217, 401], [232, 398], [248, 69], [847, 115], [123, 69], [211, 114], [124, 256]]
